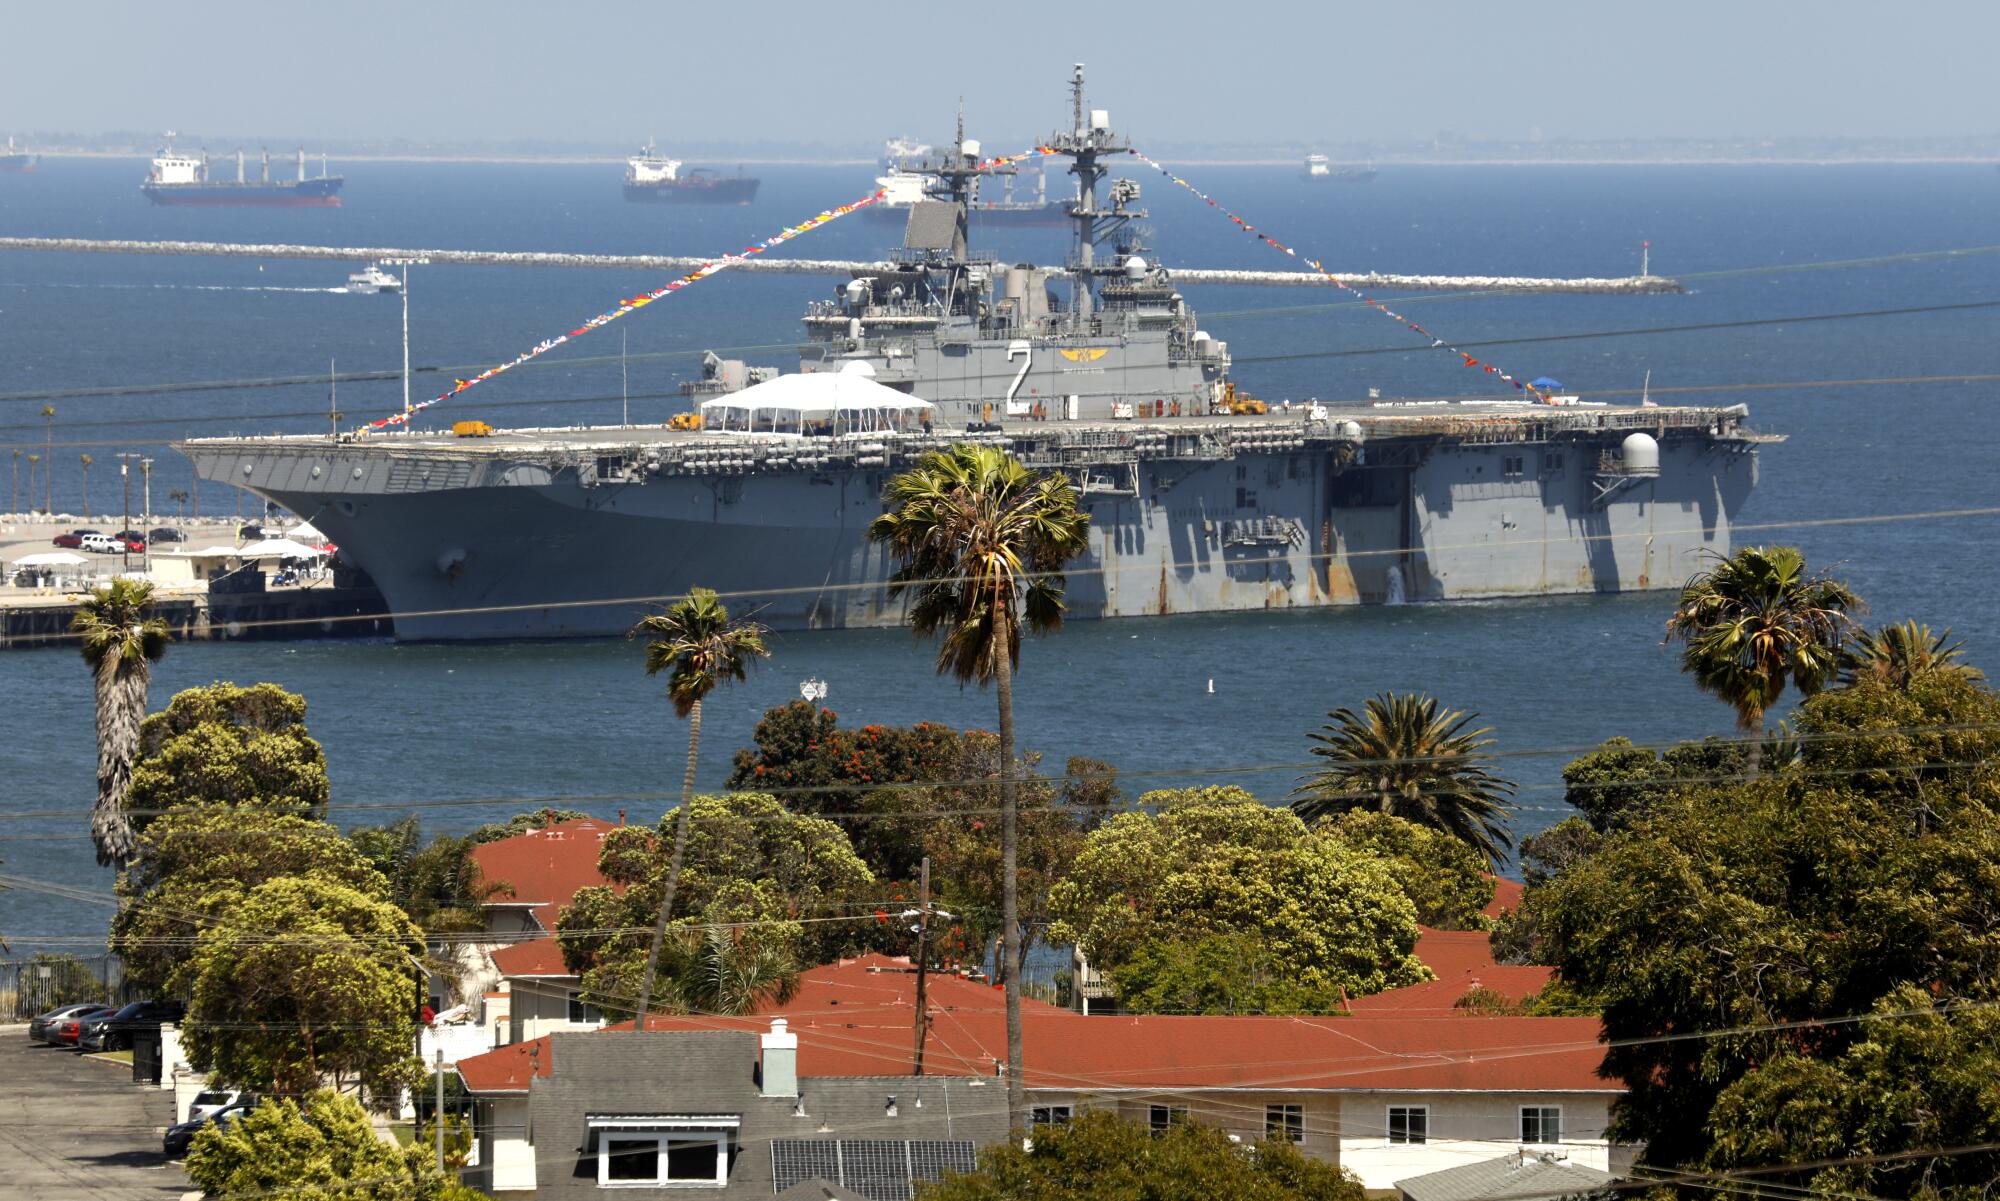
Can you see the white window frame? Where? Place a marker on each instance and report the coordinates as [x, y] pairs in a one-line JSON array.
[[1388, 1128], [1544, 1111], [1284, 1111], [719, 1139]]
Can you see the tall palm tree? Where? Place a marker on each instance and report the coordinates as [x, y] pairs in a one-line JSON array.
[[1402, 757], [121, 642], [982, 541], [33, 461], [1757, 621], [86, 460], [179, 497], [697, 644], [1901, 654], [15, 507], [49, 468]]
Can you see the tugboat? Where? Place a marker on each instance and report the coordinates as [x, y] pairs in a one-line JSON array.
[[13, 160], [373, 281], [183, 179], [1320, 169], [651, 177]]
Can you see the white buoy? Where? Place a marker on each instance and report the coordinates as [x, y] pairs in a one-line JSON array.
[[1211, 685]]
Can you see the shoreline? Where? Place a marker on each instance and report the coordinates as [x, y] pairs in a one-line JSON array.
[[577, 160]]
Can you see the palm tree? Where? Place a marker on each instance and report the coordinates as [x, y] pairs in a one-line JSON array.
[[32, 461], [121, 642], [731, 971], [1402, 757], [15, 507], [86, 460], [1900, 655], [1756, 622], [49, 471], [699, 647], [179, 497], [983, 540]]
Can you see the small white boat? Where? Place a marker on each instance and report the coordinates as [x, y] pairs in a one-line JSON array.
[[372, 281]]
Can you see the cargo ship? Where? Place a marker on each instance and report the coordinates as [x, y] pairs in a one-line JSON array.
[[650, 176], [1198, 502], [181, 179], [1320, 169], [14, 160]]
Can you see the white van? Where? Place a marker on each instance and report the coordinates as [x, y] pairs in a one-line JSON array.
[[103, 544]]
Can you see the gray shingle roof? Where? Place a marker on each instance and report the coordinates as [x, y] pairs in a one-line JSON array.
[[1510, 1176]]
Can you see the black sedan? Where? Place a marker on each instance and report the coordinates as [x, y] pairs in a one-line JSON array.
[[113, 1031], [180, 1137], [43, 1029]]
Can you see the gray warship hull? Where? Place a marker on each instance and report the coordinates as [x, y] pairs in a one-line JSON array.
[[578, 533]]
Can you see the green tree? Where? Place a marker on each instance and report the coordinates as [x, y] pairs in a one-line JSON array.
[[1899, 655], [746, 858], [121, 640], [306, 981], [1618, 782], [1216, 862], [699, 647], [1517, 934], [1444, 878], [1753, 911], [227, 745], [521, 823], [437, 883], [1757, 621], [1401, 756], [1103, 1157], [982, 542], [194, 867], [1215, 973], [321, 1147]]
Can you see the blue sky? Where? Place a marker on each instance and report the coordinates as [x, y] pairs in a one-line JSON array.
[[852, 73]]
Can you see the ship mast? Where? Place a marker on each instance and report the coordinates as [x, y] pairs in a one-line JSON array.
[[1089, 137]]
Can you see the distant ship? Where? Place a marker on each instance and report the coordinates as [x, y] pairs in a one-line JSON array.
[[651, 177], [895, 150], [372, 281], [15, 160], [184, 179], [1319, 168], [913, 178]]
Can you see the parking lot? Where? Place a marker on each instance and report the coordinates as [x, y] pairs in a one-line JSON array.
[[73, 1128]]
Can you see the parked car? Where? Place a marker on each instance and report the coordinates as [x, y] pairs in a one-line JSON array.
[[101, 544], [253, 533], [136, 539], [180, 1136], [73, 540], [68, 1030], [43, 1028], [214, 1100], [165, 533], [113, 1031]]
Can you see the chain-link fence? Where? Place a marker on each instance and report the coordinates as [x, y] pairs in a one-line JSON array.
[[44, 981]]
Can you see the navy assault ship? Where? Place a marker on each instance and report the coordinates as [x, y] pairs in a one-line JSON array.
[[1097, 370]]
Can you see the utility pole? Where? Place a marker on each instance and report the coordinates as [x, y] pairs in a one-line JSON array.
[[146, 469], [405, 264], [923, 958], [437, 1115], [125, 458], [624, 385], [332, 395]]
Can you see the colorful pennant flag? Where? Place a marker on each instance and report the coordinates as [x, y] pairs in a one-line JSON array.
[[1437, 343]]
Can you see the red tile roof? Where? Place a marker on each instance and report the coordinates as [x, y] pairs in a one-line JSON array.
[[1506, 897], [855, 1019], [545, 868], [542, 957], [1460, 959]]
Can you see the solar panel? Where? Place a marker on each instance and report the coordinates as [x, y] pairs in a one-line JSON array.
[[878, 1169], [797, 1159]]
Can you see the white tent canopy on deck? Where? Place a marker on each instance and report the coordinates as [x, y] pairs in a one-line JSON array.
[[816, 402]]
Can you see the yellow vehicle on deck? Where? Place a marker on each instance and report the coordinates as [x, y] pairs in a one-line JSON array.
[[684, 421], [471, 429], [1241, 404]]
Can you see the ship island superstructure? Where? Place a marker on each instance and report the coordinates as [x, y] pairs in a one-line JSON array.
[[1099, 372]]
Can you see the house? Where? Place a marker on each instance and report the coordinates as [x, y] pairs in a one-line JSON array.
[[1389, 1096], [540, 995]]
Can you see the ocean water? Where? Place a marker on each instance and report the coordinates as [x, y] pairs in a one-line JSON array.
[[467, 734]]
